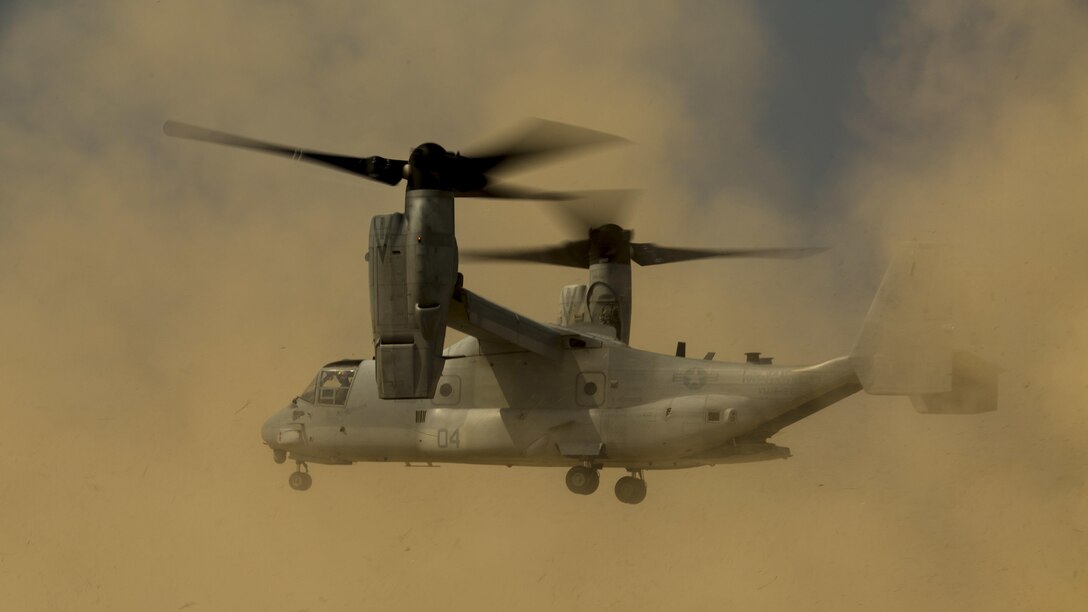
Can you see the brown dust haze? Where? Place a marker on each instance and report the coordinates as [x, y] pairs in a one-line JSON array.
[[159, 298]]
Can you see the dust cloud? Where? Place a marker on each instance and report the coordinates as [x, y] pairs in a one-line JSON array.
[[159, 298]]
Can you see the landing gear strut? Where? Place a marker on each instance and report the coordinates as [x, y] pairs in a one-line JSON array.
[[583, 479], [300, 480], [631, 489]]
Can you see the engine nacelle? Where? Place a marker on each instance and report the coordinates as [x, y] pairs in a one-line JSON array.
[[413, 271], [572, 305], [605, 302]]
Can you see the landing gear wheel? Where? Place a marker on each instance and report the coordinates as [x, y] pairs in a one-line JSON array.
[[279, 455], [582, 480], [300, 481], [630, 490]]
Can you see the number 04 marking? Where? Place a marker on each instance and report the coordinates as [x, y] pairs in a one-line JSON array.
[[446, 439]]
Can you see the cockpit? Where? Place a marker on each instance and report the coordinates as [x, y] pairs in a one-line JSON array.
[[331, 385]]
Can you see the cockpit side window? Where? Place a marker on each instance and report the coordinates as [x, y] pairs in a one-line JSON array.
[[333, 385], [310, 394]]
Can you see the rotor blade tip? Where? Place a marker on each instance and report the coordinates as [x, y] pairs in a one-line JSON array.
[[177, 129]]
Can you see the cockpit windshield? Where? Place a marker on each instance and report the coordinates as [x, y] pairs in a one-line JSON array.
[[331, 386]]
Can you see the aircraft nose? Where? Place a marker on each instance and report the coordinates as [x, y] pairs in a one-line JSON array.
[[271, 427]]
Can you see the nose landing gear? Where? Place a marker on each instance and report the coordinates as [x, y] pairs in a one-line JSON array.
[[301, 480]]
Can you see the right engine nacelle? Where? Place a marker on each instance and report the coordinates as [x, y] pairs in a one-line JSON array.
[[413, 271], [572, 305], [598, 304]]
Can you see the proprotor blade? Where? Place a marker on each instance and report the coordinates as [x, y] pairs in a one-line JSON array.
[[535, 141], [647, 254], [388, 171], [592, 209], [571, 254], [506, 191]]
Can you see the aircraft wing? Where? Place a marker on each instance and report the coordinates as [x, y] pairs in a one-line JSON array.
[[477, 316]]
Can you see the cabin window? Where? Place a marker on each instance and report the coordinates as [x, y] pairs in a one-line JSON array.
[[714, 416], [448, 392], [589, 390]]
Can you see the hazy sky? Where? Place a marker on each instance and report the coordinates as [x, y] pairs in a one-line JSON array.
[[159, 298]]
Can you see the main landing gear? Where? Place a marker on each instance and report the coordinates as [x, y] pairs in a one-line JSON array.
[[584, 479], [301, 480], [631, 489]]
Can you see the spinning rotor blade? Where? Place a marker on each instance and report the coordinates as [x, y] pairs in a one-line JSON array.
[[506, 191], [578, 254], [647, 254], [431, 166], [592, 209], [535, 141], [388, 171], [571, 254]]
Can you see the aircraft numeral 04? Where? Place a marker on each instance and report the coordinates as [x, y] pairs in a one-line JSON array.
[[447, 439]]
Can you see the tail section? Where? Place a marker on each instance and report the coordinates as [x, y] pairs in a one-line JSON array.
[[972, 388], [907, 343]]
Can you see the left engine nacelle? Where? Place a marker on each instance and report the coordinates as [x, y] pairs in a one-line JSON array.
[[413, 271]]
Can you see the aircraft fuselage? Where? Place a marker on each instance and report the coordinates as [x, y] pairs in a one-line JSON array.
[[611, 406]]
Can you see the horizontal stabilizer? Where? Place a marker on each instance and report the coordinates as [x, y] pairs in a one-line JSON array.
[[973, 389], [907, 344]]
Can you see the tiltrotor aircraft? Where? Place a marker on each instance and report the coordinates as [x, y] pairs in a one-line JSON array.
[[516, 391]]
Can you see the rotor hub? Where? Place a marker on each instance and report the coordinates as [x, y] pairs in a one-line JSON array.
[[610, 243]]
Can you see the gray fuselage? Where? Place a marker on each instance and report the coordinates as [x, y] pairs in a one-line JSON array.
[[609, 406]]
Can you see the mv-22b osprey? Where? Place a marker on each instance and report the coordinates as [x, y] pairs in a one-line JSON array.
[[574, 394]]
